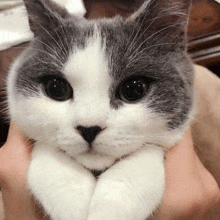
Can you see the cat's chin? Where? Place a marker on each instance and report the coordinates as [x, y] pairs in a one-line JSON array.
[[95, 161]]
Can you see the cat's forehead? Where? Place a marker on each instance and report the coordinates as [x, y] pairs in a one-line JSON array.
[[88, 64]]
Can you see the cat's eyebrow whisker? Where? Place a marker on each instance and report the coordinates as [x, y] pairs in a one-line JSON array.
[[159, 16], [42, 51], [174, 10], [51, 55], [57, 43], [46, 63], [45, 137], [33, 64], [64, 50], [49, 47], [132, 44], [67, 44], [29, 142], [137, 32], [147, 48], [157, 32]]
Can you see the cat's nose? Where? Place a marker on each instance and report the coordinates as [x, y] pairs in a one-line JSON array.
[[89, 133]]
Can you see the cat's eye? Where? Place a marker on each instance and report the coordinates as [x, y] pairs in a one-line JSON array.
[[57, 88], [133, 89]]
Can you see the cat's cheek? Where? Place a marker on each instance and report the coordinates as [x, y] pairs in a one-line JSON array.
[[38, 116]]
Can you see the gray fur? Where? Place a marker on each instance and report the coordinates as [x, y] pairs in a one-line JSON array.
[[151, 43]]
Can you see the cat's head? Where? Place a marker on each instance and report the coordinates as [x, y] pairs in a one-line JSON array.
[[102, 89]]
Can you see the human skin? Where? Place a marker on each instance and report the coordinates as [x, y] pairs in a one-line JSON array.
[[190, 191], [14, 160]]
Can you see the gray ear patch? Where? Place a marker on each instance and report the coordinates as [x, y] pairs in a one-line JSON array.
[[44, 16]]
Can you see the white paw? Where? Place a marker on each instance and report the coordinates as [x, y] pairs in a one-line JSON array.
[[63, 187], [131, 189]]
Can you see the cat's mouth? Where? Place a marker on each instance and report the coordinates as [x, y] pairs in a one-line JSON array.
[[97, 173], [91, 150], [93, 160]]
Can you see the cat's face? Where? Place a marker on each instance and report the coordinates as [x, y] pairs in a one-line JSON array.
[[100, 90]]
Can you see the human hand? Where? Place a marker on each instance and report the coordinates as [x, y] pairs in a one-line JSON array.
[[14, 161], [191, 191]]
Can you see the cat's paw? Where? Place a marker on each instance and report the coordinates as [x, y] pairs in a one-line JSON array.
[[63, 187], [113, 205], [131, 189], [119, 200]]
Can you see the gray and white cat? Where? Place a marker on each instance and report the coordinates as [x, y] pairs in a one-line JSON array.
[[105, 95]]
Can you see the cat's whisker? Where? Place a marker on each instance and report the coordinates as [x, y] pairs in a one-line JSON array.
[[3, 88], [57, 43], [49, 47], [4, 102], [29, 143], [66, 41], [4, 107], [55, 64], [147, 28], [64, 51], [133, 32], [5, 113], [155, 33], [143, 50], [135, 39], [29, 66], [51, 55], [44, 52], [44, 137]]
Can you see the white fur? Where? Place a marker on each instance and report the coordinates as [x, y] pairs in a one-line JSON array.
[[131, 188], [87, 71], [62, 186]]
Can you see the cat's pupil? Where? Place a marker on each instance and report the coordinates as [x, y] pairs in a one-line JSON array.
[[58, 89], [133, 89]]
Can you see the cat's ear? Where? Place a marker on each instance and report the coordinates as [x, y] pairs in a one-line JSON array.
[[164, 19], [44, 16]]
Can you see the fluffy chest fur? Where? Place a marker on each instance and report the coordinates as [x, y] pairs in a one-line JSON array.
[[95, 95]]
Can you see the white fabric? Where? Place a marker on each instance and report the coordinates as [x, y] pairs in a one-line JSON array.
[[6, 4], [14, 26], [75, 7]]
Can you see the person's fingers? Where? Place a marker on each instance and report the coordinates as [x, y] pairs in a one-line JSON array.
[[211, 190], [190, 188], [14, 162], [14, 157]]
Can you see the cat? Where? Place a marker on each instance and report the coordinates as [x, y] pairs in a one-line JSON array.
[[105, 96]]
